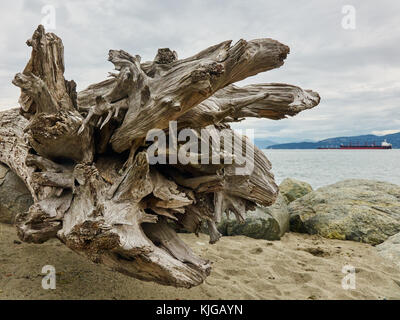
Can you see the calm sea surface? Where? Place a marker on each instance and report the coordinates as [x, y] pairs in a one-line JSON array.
[[323, 167]]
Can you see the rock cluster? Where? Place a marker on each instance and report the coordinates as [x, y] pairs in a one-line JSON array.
[[359, 210], [292, 189], [14, 196], [268, 223]]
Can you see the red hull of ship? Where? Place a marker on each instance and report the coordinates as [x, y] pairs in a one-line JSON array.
[[365, 148], [356, 148]]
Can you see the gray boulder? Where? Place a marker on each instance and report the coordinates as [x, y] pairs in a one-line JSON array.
[[360, 210], [14, 196], [292, 189], [390, 249], [268, 223]]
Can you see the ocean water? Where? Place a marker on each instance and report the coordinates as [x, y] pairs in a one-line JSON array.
[[323, 167]]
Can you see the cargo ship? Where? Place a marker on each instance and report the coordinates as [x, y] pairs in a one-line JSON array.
[[384, 145]]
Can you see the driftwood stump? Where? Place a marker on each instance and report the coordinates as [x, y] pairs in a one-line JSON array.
[[85, 156]]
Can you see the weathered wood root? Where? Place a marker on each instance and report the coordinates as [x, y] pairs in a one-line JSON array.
[[85, 156]]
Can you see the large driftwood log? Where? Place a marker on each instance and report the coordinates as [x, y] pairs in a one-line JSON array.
[[86, 156]]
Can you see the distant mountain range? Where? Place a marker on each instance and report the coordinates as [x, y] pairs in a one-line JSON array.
[[394, 139], [264, 143]]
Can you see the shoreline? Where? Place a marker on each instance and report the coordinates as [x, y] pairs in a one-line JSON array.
[[299, 266]]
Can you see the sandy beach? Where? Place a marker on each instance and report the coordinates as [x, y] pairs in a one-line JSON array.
[[297, 267]]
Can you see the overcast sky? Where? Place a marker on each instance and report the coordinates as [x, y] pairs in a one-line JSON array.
[[356, 71]]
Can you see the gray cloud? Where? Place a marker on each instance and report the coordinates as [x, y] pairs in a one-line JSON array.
[[356, 72]]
